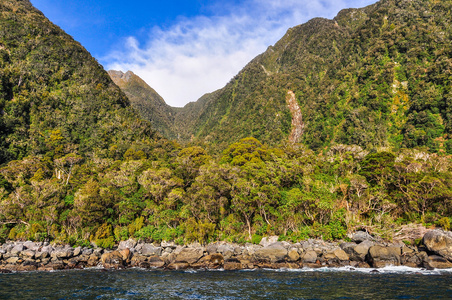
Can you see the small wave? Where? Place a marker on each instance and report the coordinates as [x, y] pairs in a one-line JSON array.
[[385, 270]]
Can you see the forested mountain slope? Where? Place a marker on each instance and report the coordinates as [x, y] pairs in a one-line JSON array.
[[376, 76], [55, 98]]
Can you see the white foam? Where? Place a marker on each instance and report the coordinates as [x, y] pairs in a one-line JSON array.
[[385, 270]]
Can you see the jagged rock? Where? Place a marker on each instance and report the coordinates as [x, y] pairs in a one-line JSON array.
[[310, 256], [381, 256], [137, 260], [232, 264], [17, 249], [212, 261], [268, 240], [14, 260], [357, 252], [178, 266], [155, 262], [32, 245], [63, 253], [28, 254], [293, 255], [77, 251], [212, 248], [42, 255], [129, 244], [150, 250], [87, 251], [437, 262], [272, 253], [361, 236], [189, 255], [439, 242], [93, 260], [112, 260], [166, 244], [125, 253], [226, 249], [341, 254]]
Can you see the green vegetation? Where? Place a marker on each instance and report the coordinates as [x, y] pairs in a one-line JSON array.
[[374, 77], [79, 166], [249, 191]]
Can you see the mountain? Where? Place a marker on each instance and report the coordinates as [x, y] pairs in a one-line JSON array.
[[377, 76], [146, 101], [55, 98]]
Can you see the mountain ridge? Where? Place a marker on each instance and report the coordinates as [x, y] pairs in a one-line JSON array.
[[353, 77]]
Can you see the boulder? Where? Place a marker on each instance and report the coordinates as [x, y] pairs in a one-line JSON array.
[[212, 261], [310, 257], [28, 254], [125, 253], [17, 249], [268, 240], [439, 242], [293, 255], [380, 256], [129, 244], [32, 245], [155, 262], [138, 260], [63, 253], [189, 255], [150, 250], [178, 266], [341, 255], [112, 260], [361, 236], [275, 252], [357, 252], [77, 251], [437, 262]]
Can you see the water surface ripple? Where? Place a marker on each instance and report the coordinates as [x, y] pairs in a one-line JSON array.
[[389, 283]]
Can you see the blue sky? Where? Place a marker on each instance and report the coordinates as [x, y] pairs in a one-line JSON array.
[[183, 49]]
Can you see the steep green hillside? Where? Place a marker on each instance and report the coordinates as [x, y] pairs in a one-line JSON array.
[[55, 99], [376, 76], [146, 101]]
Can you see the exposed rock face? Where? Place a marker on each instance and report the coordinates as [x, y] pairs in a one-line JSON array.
[[297, 118], [439, 242], [149, 250]]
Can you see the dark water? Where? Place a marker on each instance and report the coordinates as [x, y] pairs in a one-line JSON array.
[[395, 283]]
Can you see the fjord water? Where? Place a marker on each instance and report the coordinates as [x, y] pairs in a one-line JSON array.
[[388, 283]]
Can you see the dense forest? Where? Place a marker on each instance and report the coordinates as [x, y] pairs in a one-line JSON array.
[[79, 166], [377, 76]]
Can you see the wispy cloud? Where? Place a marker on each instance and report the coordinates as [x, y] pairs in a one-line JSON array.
[[199, 55]]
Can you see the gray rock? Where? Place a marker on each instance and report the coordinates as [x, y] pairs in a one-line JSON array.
[[87, 251], [32, 245], [129, 244], [361, 236], [381, 256], [310, 256], [190, 255], [275, 252], [17, 249], [150, 250], [439, 242], [77, 251], [267, 240], [212, 248]]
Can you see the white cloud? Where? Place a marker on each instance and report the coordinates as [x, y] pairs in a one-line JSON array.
[[199, 55]]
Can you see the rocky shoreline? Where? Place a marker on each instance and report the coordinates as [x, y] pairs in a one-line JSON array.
[[362, 252]]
